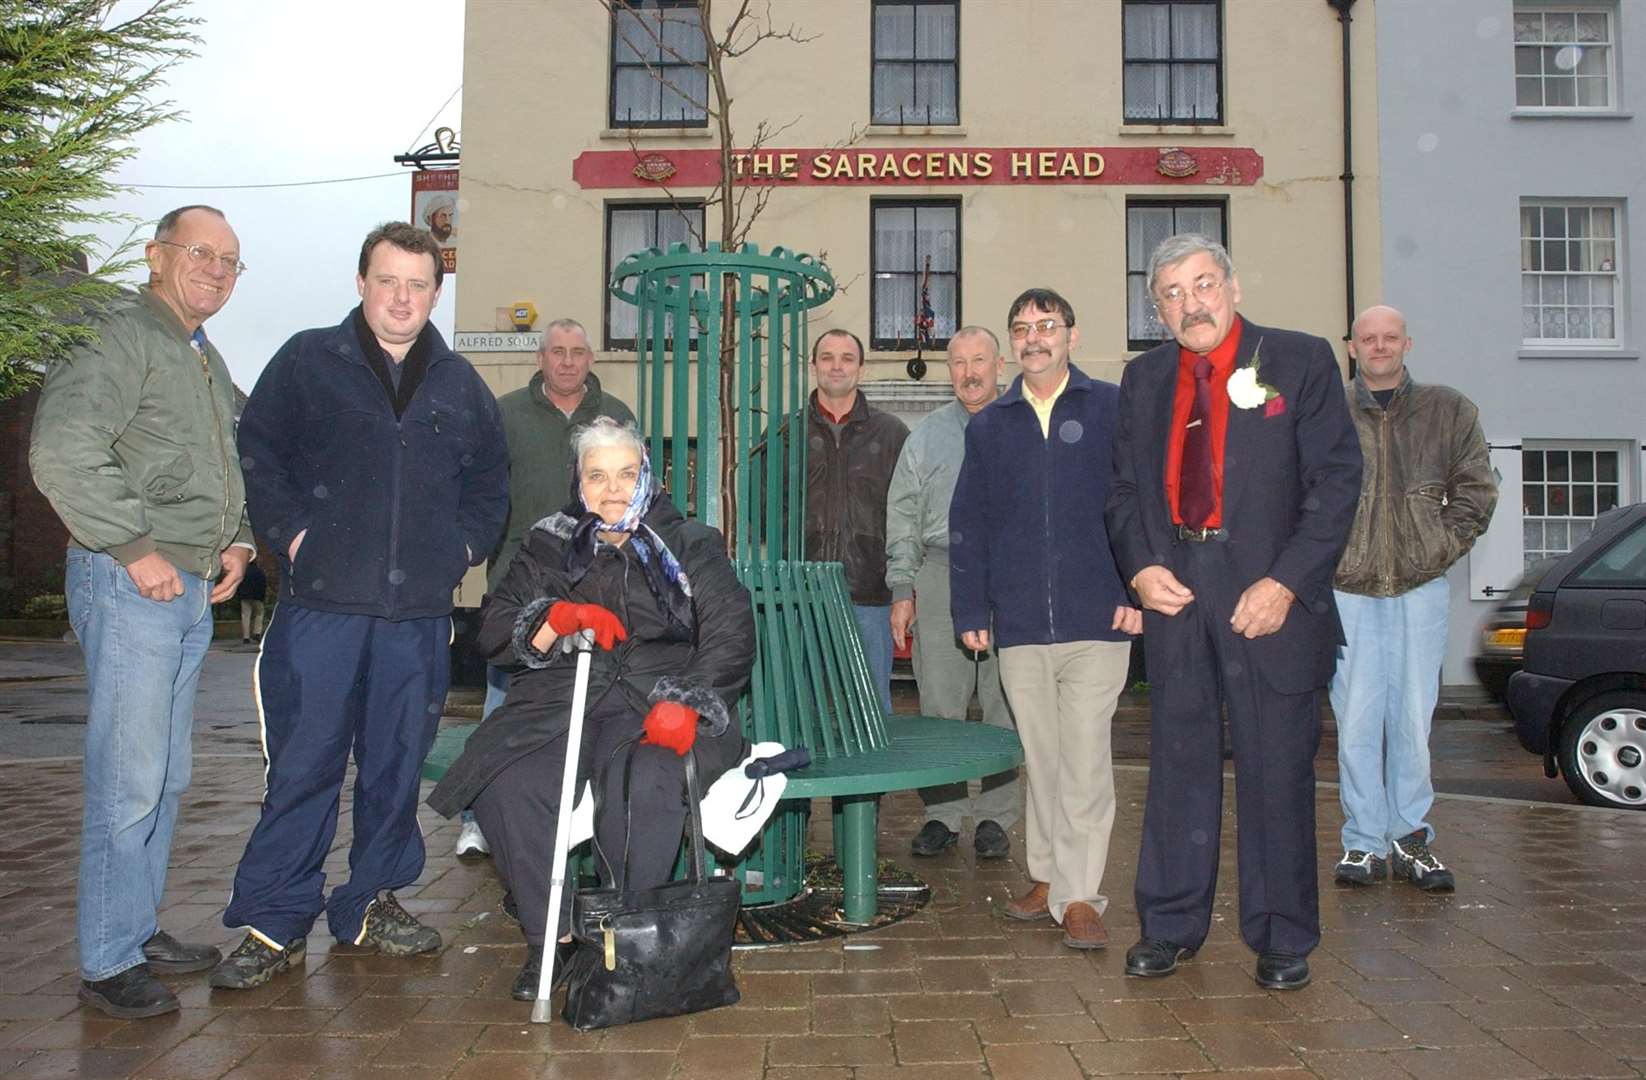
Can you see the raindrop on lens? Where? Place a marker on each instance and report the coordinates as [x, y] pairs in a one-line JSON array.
[[397, 576]]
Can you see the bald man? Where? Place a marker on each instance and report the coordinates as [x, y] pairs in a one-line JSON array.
[[1426, 494]]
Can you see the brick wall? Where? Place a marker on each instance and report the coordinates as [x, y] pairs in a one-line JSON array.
[[31, 537]]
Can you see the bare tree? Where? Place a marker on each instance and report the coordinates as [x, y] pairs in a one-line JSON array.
[[739, 204]]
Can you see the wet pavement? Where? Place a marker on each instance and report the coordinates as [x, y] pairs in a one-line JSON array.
[[1532, 969]]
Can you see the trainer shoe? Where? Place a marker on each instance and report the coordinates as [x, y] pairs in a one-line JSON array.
[[1360, 868], [471, 842], [934, 838], [254, 962], [1414, 862], [130, 995], [394, 931]]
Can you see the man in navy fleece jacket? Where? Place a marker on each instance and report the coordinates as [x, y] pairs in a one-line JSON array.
[[1031, 575]]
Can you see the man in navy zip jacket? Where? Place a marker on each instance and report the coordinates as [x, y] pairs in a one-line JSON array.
[[377, 467], [1031, 575]]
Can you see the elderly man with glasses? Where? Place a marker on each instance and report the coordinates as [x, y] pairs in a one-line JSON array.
[[134, 445], [1031, 575], [1237, 473]]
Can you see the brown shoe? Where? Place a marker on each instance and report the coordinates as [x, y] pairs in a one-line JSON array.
[[1032, 904], [1083, 927]]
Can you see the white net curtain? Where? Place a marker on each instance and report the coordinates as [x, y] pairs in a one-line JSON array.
[[915, 79], [1171, 52], [903, 237]]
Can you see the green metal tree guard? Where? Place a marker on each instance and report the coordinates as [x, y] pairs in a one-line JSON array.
[[811, 684]]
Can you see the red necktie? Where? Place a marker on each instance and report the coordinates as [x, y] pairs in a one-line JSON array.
[[1196, 493]]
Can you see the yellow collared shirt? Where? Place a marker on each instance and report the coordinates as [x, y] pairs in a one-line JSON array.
[[1043, 409]]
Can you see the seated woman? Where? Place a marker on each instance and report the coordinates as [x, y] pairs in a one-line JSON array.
[[675, 636]]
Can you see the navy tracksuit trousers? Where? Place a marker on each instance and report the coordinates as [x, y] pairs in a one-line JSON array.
[[328, 684]]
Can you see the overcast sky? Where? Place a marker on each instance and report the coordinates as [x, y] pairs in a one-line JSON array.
[[299, 90]]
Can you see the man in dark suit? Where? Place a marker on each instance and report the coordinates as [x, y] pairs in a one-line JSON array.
[[1237, 474]]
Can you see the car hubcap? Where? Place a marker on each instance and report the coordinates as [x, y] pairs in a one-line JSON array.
[[1610, 753]]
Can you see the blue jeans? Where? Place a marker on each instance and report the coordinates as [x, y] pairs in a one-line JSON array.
[[497, 688], [1383, 696], [143, 660], [874, 623]]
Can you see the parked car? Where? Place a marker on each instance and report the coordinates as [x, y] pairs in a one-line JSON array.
[[1580, 698], [1503, 633]]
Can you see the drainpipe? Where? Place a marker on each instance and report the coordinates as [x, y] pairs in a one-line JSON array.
[[1348, 177]]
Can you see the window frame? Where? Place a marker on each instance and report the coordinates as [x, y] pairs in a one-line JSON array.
[[1217, 64], [1543, 447], [1609, 10], [1620, 294], [1145, 202], [880, 344], [914, 62], [615, 206], [612, 65]]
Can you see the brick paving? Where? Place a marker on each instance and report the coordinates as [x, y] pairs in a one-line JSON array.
[[1533, 969]]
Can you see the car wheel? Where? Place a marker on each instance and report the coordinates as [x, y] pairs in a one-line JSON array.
[[1603, 750]]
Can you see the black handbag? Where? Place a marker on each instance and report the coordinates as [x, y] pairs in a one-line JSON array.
[[647, 953]]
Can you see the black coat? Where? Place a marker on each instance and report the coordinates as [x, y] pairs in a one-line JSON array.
[[397, 504], [707, 671], [1291, 487]]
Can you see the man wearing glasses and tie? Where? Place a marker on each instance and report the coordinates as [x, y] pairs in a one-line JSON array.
[[1032, 576], [133, 444], [1237, 474]]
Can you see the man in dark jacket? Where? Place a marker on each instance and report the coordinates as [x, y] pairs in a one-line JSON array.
[[1236, 476], [1426, 495], [852, 451], [538, 420], [377, 468], [1031, 575]]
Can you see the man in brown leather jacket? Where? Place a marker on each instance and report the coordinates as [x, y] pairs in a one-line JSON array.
[[1426, 494], [851, 452]]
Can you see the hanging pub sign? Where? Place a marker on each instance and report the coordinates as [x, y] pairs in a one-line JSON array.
[[1234, 166], [434, 207]]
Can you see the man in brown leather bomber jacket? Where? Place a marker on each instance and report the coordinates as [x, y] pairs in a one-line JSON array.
[[1426, 494]]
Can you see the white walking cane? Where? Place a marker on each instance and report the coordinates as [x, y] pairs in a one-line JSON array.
[[584, 641]]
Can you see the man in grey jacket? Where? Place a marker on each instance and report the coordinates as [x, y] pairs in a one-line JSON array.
[[133, 443], [1426, 494], [917, 564]]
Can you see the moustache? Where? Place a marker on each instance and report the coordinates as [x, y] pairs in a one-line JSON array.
[[971, 382]]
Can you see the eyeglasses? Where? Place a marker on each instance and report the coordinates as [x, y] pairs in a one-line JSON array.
[[1174, 297], [1042, 327], [200, 253]]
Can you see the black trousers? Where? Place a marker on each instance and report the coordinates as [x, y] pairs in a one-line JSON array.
[[518, 810], [1274, 738]]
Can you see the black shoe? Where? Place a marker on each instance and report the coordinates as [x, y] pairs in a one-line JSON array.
[[525, 983], [168, 956], [1360, 868], [934, 838], [130, 995], [1413, 861], [1153, 957], [245, 641], [1282, 971], [991, 841], [253, 963], [394, 931]]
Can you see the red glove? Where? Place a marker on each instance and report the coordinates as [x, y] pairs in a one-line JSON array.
[[672, 725], [567, 618]]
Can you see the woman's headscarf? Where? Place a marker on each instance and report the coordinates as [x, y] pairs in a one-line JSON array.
[[665, 577]]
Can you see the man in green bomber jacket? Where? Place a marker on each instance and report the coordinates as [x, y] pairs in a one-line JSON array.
[[538, 421], [1427, 492], [133, 444]]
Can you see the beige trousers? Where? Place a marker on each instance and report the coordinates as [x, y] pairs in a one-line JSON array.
[[1063, 697]]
